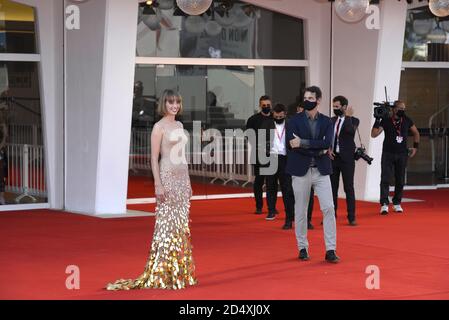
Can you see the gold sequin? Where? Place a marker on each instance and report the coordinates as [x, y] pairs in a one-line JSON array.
[[170, 263]]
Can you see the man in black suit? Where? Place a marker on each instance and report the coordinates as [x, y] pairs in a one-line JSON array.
[[342, 154], [277, 149], [255, 123], [310, 136]]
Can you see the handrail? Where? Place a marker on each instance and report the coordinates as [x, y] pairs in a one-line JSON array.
[[432, 143]]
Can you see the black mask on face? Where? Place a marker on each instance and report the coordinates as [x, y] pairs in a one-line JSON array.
[[338, 112], [310, 105], [279, 121], [266, 110], [400, 113]]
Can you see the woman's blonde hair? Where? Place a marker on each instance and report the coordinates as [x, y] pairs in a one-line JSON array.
[[168, 94]]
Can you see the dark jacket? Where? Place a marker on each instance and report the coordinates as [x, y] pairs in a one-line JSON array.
[[346, 141], [299, 159], [259, 122]]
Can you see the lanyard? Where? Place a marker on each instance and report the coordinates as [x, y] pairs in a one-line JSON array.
[[397, 127], [281, 135]]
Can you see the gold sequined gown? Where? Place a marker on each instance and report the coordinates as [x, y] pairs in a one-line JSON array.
[[170, 264]]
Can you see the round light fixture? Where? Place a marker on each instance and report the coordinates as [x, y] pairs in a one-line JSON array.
[[351, 10], [153, 22], [195, 24], [165, 4], [213, 28], [422, 26], [440, 8], [194, 7]]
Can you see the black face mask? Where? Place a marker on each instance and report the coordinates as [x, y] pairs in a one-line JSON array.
[[266, 110], [400, 113], [338, 112], [309, 105], [279, 121]]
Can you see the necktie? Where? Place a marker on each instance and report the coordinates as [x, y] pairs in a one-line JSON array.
[[336, 135]]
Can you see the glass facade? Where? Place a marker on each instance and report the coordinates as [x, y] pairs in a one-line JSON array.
[[242, 31], [22, 162], [426, 93], [17, 28], [215, 98], [426, 36]]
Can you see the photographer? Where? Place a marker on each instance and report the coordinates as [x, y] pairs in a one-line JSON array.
[[394, 153], [342, 154]]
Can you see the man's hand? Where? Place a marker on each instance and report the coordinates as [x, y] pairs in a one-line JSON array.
[[412, 152], [349, 111], [296, 142], [331, 154]]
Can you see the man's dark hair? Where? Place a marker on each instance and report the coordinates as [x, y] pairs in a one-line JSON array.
[[262, 98], [279, 107], [316, 90], [343, 101]]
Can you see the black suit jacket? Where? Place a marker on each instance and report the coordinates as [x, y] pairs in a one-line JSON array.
[[346, 137], [299, 159]]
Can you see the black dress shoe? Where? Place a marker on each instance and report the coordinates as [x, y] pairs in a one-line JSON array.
[[258, 211], [287, 226], [310, 226], [331, 256], [352, 223], [270, 216], [303, 255]]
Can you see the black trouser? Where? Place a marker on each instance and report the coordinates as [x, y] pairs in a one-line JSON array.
[[285, 181], [258, 187], [346, 169], [392, 164]]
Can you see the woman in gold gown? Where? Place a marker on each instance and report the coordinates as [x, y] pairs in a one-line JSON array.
[[170, 264]]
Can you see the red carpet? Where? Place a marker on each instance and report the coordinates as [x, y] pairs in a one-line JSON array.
[[238, 255]]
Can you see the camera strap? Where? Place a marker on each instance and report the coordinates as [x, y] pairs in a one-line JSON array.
[[360, 139]]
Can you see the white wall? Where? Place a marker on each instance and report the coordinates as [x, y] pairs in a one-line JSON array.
[[99, 88], [388, 73]]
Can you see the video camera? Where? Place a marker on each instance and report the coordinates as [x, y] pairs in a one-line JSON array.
[[382, 109]]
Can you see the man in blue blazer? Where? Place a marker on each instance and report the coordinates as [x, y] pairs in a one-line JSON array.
[[310, 135]]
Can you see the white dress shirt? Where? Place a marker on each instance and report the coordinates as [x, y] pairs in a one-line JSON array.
[[279, 140], [337, 134]]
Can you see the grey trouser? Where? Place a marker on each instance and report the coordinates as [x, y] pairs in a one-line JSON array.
[[323, 189]]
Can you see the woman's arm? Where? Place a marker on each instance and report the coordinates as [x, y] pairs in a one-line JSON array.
[[156, 139]]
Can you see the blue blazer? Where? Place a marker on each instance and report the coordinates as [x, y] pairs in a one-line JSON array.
[[299, 159]]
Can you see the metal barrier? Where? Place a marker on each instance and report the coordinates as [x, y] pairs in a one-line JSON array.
[[30, 134], [232, 160], [26, 172]]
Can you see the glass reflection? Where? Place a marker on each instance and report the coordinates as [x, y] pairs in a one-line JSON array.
[[239, 31]]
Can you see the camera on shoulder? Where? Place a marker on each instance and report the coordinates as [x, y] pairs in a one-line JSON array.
[[382, 109]]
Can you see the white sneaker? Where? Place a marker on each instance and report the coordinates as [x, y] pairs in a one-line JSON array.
[[384, 209], [398, 208]]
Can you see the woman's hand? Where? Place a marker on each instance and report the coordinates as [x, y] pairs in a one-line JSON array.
[[160, 193]]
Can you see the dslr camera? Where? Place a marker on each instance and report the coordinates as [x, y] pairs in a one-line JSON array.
[[360, 152], [382, 109]]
